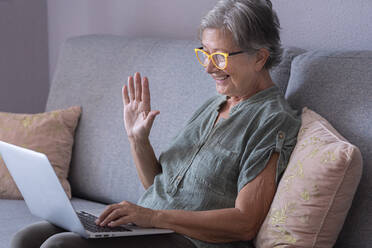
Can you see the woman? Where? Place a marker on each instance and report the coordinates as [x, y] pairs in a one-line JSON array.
[[214, 184]]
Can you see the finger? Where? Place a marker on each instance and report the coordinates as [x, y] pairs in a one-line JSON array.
[[146, 95], [131, 88], [138, 89], [106, 212], [109, 209], [125, 95], [103, 215], [114, 215], [121, 221], [151, 117]]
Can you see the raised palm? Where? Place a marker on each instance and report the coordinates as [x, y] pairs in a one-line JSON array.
[[138, 117]]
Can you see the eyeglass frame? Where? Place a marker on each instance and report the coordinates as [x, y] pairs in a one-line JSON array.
[[210, 57]]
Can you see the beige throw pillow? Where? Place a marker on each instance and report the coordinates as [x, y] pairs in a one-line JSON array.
[[316, 190], [51, 133]]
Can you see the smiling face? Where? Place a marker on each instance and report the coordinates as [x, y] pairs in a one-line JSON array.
[[242, 74]]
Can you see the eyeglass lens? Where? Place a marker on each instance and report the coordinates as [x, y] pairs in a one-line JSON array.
[[218, 59]]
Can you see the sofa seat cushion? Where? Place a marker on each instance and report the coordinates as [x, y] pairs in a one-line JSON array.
[[15, 215], [338, 85]]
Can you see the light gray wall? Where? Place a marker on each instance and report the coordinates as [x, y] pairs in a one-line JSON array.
[[326, 24], [314, 24], [134, 18], [24, 71], [310, 24]]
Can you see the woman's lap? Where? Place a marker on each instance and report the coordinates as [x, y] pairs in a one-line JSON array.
[[46, 235], [34, 235]]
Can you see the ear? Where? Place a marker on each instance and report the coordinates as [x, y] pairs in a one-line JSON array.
[[261, 57]]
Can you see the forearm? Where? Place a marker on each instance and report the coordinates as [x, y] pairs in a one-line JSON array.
[[145, 160], [216, 226], [232, 224]]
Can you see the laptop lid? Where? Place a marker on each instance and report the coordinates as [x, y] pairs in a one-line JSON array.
[[46, 198]]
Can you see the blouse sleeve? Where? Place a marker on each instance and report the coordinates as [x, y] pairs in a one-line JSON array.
[[277, 134]]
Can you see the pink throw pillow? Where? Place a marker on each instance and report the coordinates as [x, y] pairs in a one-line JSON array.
[[316, 190], [51, 133]]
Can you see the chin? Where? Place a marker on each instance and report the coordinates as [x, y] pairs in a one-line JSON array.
[[222, 90]]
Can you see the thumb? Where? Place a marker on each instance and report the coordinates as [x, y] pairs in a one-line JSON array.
[[151, 117]]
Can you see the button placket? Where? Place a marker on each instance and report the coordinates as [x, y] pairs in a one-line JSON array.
[[176, 180]]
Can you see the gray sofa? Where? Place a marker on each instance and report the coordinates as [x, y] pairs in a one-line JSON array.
[[92, 69]]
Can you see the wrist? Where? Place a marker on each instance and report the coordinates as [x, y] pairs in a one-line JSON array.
[[156, 219], [138, 141]]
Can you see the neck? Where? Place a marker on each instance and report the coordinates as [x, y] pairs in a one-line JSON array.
[[263, 81]]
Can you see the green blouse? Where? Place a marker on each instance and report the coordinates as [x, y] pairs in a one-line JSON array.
[[206, 166]]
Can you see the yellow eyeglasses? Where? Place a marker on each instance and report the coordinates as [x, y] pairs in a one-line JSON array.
[[218, 59]]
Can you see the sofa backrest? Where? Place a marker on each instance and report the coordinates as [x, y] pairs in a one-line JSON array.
[[91, 72], [338, 86]]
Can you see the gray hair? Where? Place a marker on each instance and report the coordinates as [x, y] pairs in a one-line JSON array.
[[253, 24]]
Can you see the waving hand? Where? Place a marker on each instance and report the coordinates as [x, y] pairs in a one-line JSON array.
[[138, 116]]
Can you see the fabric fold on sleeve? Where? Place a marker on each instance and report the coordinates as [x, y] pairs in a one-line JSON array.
[[271, 136]]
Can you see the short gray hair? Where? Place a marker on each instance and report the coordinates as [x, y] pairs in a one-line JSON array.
[[253, 24]]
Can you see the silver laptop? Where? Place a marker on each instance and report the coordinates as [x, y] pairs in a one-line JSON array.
[[45, 197]]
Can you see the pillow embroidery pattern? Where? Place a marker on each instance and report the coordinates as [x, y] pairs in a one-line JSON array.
[[50, 133], [296, 171], [316, 190]]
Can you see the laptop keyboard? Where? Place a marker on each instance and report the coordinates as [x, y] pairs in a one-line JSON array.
[[88, 221]]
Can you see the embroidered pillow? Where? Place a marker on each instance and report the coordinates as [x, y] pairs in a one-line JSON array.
[[316, 190], [51, 133]]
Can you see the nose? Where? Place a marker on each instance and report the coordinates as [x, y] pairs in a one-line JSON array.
[[210, 68]]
